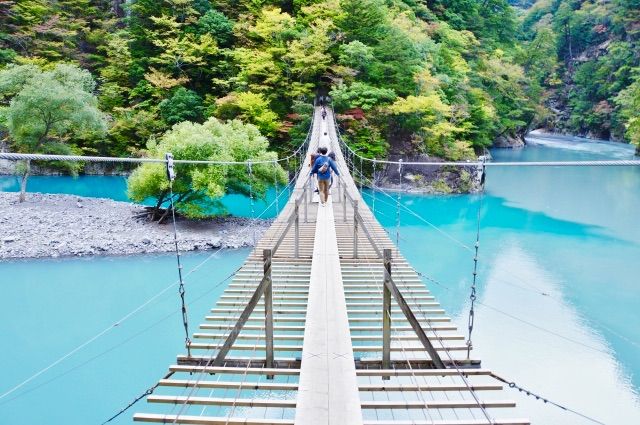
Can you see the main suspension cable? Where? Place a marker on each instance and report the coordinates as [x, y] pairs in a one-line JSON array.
[[472, 297], [171, 175]]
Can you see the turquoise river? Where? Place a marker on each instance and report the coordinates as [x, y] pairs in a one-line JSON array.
[[558, 296]]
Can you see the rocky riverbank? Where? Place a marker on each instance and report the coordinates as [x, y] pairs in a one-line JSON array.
[[439, 179], [65, 225]]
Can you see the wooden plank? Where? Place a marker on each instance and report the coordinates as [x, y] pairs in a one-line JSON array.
[[233, 319], [252, 336], [397, 337], [400, 348], [432, 328], [233, 370], [247, 347], [253, 327], [219, 401], [421, 372], [452, 422], [436, 404], [185, 383], [206, 420], [427, 387]]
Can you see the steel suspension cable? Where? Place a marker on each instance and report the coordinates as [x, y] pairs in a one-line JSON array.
[[374, 187], [515, 386], [398, 204], [275, 185], [185, 318], [472, 297]]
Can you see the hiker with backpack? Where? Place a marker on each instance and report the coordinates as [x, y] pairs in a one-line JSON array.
[[322, 167]]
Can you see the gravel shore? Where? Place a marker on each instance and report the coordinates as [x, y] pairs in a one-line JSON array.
[[67, 225]]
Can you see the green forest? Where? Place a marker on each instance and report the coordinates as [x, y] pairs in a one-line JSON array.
[[445, 78]]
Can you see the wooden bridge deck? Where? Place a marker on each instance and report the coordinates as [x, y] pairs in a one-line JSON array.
[[327, 316]]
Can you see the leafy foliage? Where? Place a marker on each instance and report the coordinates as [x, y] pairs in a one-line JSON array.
[[591, 47], [441, 77], [198, 187]]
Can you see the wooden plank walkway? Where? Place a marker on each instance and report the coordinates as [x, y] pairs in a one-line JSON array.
[[327, 310]]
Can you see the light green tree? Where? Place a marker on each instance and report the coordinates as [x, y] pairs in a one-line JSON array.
[[47, 110], [249, 107], [629, 102], [198, 187]]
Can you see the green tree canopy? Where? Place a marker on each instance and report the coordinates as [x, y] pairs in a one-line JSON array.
[[48, 109], [198, 188], [183, 105]]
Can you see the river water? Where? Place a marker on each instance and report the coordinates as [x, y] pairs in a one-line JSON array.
[[557, 308]]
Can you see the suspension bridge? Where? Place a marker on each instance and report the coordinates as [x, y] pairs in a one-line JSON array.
[[327, 323]]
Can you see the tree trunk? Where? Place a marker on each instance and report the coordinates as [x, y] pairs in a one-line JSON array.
[[164, 216], [156, 209], [117, 8], [25, 177]]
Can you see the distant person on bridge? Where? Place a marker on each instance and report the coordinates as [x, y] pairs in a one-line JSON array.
[[322, 167]]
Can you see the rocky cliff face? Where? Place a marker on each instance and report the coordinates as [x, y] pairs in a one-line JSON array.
[[429, 178]]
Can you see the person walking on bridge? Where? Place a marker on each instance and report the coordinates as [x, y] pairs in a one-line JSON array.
[[322, 167]]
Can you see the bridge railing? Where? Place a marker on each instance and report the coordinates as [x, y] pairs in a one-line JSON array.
[[264, 288]]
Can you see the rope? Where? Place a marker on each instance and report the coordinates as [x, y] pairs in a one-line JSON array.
[[148, 392], [253, 212], [398, 204], [374, 187], [479, 163], [275, 184], [472, 297], [513, 385], [42, 157], [181, 290]]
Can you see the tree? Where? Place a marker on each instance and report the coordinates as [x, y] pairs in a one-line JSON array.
[[184, 105], [356, 55], [249, 107], [217, 25], [629, 102], [198, 188], [361, 95], [48, 110]]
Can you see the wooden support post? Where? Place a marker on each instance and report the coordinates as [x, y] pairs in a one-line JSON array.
[[268, 310], [344, 205], [386, 315], [435, 357], [251, 305], [306, 204], [355, 229], [296, 251]]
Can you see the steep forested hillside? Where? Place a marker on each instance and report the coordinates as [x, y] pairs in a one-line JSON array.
[[585, 55], [442, 77]]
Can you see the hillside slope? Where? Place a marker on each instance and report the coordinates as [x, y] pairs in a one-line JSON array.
[[591, 85]]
